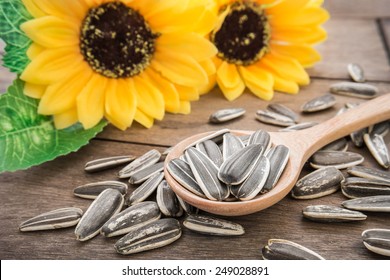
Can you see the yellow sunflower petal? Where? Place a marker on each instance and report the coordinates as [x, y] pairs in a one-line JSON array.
[[61, 96], [65, 119], [206, 22], [299, 35], [305, 54], [34, 50], [284, 85], [310, 16], [52, 65], [33, 90], [180, 68], [90, 101], [286, 7], [187, 93], [120, 102], [234, 92], [167, 89], [185, 107], [149, 98], [191, 43], [51, 32], [286, 67], [33, 9], [260, 82], [227, 74], [63, 9], [151, 9], [208, 66], [207, 88], [315, 3], [143, 119]]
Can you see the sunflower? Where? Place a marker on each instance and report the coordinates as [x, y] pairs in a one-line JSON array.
[[120, 60], [264, 45]]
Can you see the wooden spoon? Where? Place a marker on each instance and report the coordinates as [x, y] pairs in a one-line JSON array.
[[302, 144]]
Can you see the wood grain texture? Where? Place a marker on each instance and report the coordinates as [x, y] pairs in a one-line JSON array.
[[358, 8]]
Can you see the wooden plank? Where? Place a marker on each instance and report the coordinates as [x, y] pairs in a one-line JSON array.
[[358, 8], [352, 40], [24, 194]]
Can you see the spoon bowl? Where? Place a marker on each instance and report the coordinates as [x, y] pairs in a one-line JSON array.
[[302, 144]]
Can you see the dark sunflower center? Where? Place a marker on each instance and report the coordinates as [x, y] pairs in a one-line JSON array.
[[116, 41], [243, 37]]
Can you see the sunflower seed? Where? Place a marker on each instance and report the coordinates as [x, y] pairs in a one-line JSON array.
[[356, 72], [377, 240], [273, 118], [139, 163], [212, 226], [244, 139], [210, 149], [260, 137], [181, 172], [237, 168], [92, 190], [255, 181], [231, 144], [280, 249], [225, 115], [354, 89], [299, 126], [377, 203], [283, 110], [151, 236], [167, 201], [357, 137], [59, 218], [106, 205], [319, 183], [216, 136], [188, 208], [328, 213], [145, 190], [319, 104], [107, 163], [278, 157], [338, 159], [354, 187], [131, 218], [338, 145], [369, 173], [206, 174], [145, 173], [381, 128], [378, 149]]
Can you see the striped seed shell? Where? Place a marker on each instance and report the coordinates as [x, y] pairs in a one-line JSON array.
[[319, 104], [206, 174], [299, 126], [131, 218], [278, 157], [319, 183], [356, 72], [92, 190], [378, 149], [280, 249], [255, 181], [167, 201], [357, 137], [145, 190], [107, 163], [377, 240], [369, 173], [59, 218], [212, 150], [377, 203], [273, 118], [338, 145], [283, 110], [181, 171], [106, 205], [329, 213], [188, 208], [354, 187], [147, 159], [212, 226], [145, 173], [364, 91], [338, 159], [381, 128], [225, 115], [151, 236], [231, 145], [260, 137], [216, 136], [237, 167]]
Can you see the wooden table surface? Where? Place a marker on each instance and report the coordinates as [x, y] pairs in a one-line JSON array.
[[357, 33]]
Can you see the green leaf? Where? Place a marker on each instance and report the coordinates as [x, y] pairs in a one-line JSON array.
[[12, 15], [27, 138]]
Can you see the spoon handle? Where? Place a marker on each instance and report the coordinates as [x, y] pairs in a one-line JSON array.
[[364, 115]]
